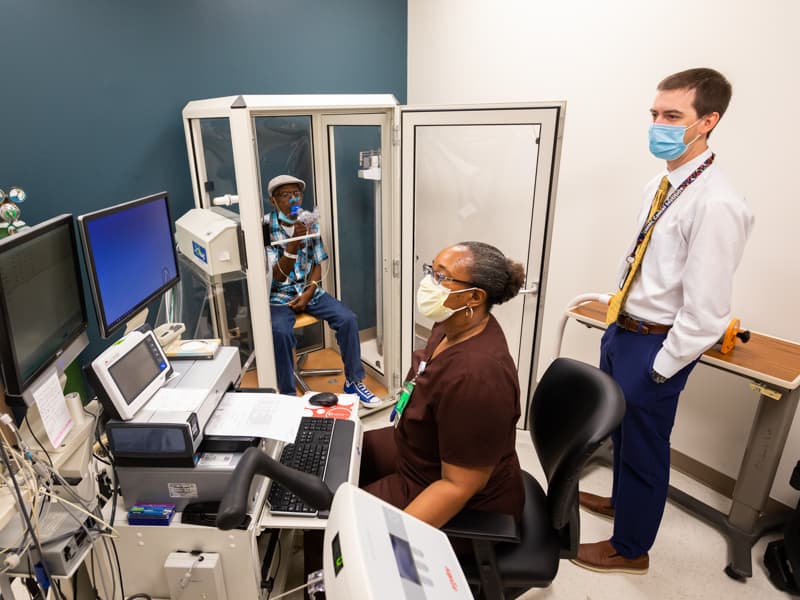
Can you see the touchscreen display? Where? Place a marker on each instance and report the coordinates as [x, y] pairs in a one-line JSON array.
[[134, 371]]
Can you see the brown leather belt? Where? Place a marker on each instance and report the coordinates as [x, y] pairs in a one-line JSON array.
[[630, 324]]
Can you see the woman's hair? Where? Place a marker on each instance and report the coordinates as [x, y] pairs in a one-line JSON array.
[[500, 277]]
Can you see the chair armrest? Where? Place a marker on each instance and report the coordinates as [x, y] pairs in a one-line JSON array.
[[482, 525]]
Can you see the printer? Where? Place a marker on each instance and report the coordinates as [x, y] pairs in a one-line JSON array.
[[168, 430], [161, 453]]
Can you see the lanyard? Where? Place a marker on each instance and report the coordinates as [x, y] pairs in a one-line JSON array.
[[668, 202], [405, 393]]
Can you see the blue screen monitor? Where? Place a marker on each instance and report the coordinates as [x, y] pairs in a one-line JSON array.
[[130, 258], [42, 308]]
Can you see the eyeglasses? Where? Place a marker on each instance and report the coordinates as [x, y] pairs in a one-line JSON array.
[[440, 277], [288, 195]]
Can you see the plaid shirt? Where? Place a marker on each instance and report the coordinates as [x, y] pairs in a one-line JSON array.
[[309, 254]]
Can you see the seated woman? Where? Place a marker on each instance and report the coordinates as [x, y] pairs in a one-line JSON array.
[[452, 445]]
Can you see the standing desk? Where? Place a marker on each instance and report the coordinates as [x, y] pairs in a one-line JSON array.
[[772, 367]]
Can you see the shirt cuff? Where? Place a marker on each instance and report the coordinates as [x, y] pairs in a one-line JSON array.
[[667, 365]]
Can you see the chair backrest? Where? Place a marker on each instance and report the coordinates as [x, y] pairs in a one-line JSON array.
[[575, 408]]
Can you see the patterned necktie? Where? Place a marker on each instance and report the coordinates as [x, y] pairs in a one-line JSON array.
[[618, 299]]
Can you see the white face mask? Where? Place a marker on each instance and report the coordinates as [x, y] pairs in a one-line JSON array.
[[431, 297]]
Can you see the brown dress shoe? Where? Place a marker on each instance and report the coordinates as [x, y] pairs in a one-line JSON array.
[[603, 558], [599, 505]]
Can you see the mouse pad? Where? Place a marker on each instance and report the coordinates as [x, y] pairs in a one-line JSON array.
[[343, 410]]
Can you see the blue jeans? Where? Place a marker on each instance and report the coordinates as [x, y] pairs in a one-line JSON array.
[[641, 442], [340, 318]]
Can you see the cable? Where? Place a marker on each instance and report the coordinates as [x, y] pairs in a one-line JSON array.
[[21, 504], [119, 569], [187, 577], [102, 572], [33, 435], [84, 511], [293, 590], [31, 488]]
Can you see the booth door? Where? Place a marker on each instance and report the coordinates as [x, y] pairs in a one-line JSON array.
[[356, 175], [482, 174]]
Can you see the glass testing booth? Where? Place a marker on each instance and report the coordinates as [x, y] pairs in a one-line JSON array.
[[393, 185]]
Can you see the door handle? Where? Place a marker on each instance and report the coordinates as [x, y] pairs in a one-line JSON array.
[[533, 289]]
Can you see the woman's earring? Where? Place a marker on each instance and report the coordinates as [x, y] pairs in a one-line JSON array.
[[469, 312]]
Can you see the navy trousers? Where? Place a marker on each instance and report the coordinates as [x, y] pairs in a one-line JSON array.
[[641, 443], [340, 318]]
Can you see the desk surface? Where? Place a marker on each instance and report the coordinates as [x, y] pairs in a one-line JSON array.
[[764, 358]]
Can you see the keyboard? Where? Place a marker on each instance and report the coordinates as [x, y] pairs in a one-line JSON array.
[[321, 447]]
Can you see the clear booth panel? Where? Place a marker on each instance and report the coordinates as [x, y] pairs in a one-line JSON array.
[[356, 196], [218, 158], [474, 183], [285, 147]]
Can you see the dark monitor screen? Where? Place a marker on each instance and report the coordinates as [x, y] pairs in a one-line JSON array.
[[42, 307], [130, 256]]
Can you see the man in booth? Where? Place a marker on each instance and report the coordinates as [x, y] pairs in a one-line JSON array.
[[296, 287]]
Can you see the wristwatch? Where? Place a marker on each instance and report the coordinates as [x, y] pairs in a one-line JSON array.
[[657, 377]]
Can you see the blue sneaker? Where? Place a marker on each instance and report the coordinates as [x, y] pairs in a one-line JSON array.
[[367, 398]]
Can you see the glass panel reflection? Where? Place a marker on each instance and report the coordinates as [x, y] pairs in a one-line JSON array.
[[358, 242], [284, 146], [474, 182], [218, 154]]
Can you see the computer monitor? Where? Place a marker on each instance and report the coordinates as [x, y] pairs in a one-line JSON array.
[[130, 258], [42, 308]]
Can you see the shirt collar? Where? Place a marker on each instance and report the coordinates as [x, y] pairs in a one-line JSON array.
[[677, 176]]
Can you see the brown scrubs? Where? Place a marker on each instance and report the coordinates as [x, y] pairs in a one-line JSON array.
[[463, 411]]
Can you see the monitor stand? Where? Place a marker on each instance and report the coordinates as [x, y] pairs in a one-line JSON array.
[[136, 321]]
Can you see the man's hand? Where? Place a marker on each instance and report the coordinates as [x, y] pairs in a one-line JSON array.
[[298, 303], [299, 229]]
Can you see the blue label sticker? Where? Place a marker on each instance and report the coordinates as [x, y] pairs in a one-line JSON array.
[[199, 252]]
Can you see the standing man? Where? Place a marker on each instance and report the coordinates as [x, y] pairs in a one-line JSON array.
[[296, 287], [673, 303]]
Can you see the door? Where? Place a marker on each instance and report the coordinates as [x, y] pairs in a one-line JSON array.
[[359, 189], [484, 174]]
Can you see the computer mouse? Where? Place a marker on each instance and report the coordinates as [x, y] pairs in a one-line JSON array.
[[324, 399]]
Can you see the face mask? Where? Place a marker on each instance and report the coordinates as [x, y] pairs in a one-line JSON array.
[[294, 209], [284, 219], [431, 297], [666, 141]]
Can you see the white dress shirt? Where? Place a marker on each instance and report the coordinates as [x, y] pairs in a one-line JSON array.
[[686, 277]]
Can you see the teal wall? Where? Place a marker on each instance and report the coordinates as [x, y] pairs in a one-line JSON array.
[[91, 91]]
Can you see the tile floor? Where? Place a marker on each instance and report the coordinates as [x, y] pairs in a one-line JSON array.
[[686, 562]]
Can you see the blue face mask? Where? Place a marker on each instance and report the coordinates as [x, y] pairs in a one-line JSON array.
[[666, 141], [284, 219], [294, 209]]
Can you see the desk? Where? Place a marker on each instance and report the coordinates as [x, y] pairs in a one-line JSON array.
[[772, 366]]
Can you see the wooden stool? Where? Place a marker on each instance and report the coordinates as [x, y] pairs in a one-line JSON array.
[[304, 320]]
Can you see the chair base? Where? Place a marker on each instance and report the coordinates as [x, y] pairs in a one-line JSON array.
[[300, 372]]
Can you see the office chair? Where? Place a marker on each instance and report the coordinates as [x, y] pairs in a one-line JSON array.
[[575, 407], [304, 320]]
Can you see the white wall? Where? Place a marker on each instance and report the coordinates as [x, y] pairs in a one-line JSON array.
[[605, 59]]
